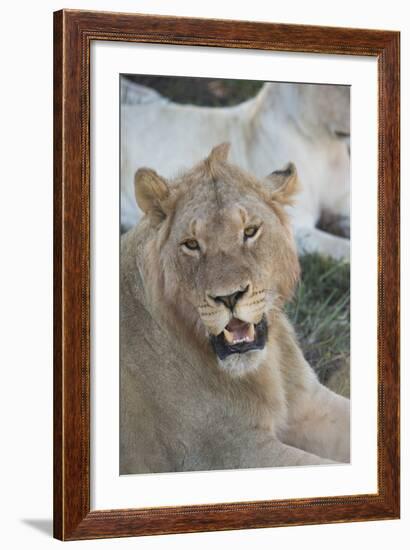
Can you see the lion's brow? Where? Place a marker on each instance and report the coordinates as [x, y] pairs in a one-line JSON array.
[[192, 227]]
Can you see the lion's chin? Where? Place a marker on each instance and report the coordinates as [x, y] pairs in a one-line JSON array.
[[241, 364]]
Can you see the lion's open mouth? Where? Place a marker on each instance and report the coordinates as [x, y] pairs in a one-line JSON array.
[[240, 337]]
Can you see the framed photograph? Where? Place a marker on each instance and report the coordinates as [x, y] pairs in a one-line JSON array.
[[226, 275]]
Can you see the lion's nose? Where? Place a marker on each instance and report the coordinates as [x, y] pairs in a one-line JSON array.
[[230, 300]]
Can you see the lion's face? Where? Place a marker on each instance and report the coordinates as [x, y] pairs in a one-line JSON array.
[[225, 251]]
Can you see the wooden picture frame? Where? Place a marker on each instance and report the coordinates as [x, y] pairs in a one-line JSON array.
[[74, 32]]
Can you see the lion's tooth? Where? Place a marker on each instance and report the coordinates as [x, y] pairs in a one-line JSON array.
[[251, 332], [228, 336]]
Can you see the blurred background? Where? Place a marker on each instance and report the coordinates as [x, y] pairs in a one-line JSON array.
[[320, 309], [211, 92]]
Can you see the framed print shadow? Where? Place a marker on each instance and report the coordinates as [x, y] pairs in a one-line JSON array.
[[226, 275]]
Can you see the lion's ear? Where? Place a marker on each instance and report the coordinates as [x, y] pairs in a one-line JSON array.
[[284, 184], [150, 190], [220, 152]]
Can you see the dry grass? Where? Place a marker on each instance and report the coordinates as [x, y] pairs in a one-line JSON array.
[[320, 313]]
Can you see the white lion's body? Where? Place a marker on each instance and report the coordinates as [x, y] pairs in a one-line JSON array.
[[302, 123]]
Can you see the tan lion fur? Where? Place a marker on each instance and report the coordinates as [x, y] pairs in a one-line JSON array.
[[181, 407]]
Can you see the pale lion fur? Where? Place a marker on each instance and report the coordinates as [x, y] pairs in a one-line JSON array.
[[309, 124], [182, 408]]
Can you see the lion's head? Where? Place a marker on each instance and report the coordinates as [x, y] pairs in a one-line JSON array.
[[220, 254]]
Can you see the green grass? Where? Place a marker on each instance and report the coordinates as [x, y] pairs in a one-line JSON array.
[[212, 92], [320, 313]]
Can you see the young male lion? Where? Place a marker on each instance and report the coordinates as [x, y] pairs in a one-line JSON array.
[[212, 376]]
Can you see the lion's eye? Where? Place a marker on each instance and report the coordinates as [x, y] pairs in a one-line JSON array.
[[192, 244], [250, 231]]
